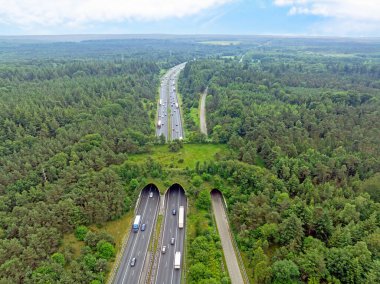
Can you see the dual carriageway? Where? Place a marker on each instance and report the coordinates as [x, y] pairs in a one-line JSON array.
[[169, 122], [138, 242], [136, 264]]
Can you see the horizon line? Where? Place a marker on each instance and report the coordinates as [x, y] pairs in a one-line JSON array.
[[190, 35]]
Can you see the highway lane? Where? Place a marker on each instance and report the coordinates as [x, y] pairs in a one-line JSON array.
[[138, 242], [166, 274], [163, 114], [223, 227], [167, 105], [176, 125]]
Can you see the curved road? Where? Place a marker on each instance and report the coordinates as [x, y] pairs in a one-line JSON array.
[[202, 113], [138, 242], [166, 274], [225, 237]]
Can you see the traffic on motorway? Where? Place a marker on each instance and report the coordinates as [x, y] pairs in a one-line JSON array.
[[170, 262], [169, 116], [131, 267]]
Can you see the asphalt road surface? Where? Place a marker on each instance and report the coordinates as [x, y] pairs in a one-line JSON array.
[[168, 105], [138, 242], [225, 237], [166, 274], [202, 113]]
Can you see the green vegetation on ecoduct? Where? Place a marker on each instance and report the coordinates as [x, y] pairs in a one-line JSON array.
[[295, 127], [313, 122]]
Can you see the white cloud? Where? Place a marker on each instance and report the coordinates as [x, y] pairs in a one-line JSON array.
[[71, 13], [355, 17], [368, 10]]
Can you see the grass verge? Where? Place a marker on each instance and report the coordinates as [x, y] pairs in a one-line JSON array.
[[187, 157]]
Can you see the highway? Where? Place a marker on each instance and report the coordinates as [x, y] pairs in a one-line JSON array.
[[138, 242], [168, 106], [226, 239], [166, 274]]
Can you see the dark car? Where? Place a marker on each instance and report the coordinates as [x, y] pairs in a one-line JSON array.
[[133, 261], [174, 211], [143, 227]]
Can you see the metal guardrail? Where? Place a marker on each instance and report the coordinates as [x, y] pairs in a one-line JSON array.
[[216, 231], [122, 249], [152, 255], [118, 259], [240, 259], [184, 270], [156, 256]]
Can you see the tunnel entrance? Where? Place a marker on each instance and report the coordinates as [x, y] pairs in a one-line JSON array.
[[150, 190], [173, 235], [175, 188], [216, 191]]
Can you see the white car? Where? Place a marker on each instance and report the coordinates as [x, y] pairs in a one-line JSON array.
[[151, 194]]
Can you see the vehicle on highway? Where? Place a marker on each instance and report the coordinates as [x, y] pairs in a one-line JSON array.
[[143, 227], [177, 260], [160, 102], [163, 249], [172, 241], [176, 105], [133, 261], [159, 123], [181, 217], [136, 223], [174, 211], [151, 194]]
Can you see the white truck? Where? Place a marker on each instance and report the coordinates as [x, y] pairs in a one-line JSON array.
[[160, 102], [177, 260], [159, 123], [176, 105], [136, 223], [181, 217]]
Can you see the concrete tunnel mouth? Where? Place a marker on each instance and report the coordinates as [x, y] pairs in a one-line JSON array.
[[175, 187], [217, 194], [150, 187], [216, 191]]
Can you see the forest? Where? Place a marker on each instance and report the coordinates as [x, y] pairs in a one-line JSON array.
[[70, 115], [303, 181], [298, 120]]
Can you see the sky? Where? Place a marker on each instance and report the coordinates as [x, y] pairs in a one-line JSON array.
[[356, 18]]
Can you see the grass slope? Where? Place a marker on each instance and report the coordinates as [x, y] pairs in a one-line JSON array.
[[190, 154]]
